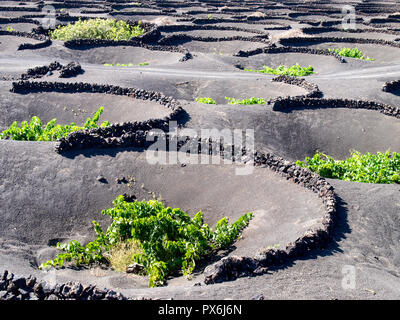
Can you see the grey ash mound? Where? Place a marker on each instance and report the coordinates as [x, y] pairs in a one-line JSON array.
[[305, 230]]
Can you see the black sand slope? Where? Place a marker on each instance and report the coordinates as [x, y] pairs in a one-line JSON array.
[[195, 49]]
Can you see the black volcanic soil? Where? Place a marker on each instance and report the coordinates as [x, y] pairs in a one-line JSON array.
[[46, 197]]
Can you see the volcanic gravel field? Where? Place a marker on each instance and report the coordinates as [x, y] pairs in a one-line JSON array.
[[306, 230]]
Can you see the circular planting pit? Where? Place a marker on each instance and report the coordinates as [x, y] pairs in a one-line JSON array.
[[134, 9], [148, 17], [113, 55], [220, 47], [17, 14], [204, 14], [305, 229], [381, 53], [256, 27], [282, 210], [77, 107], [193, 37], [84, 99], [20, 26]]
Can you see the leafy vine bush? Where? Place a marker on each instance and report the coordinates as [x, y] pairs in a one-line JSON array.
[[367, 168], [35, 131], [250, 101], [166, 239], [206, 100], [104, 29], [295, 70], [351, 53]]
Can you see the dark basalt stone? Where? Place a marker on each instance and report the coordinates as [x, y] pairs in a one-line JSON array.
[[134, 134], [391, 86], [312, 40]]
